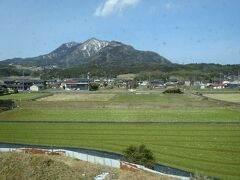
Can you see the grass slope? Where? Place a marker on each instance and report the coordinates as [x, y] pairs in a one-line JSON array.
[[38, 167]]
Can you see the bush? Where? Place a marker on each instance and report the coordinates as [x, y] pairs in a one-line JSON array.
[[6, 105], [94, 86], [197, 176], [15, 91], [139, 155], [173, 91], [3, 91]]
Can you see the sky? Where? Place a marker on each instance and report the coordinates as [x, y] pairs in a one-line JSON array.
[[184, 31]]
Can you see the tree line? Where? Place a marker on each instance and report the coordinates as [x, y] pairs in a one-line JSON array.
[[144, 71]]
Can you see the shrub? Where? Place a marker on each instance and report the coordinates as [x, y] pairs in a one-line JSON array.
[[94, 86], [173, 91], [6, 105], [3, 91], [139, 155], [197, 176], [15, 91]]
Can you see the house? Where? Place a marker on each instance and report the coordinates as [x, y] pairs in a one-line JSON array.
[[97, 81], [199, 84], [22, 85], [76, 84], [187, 83], [37, 87], [53, 83], [233, 85], [144, 84], [216, 86], [157, 83], [225, 82], [121, 83]]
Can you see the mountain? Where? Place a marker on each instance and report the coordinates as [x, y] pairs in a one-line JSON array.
[[118, 54], [92, 52]]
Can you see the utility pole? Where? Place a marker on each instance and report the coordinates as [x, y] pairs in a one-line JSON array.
[[220, 80], [88, 78], [23, 80], [238, 80]]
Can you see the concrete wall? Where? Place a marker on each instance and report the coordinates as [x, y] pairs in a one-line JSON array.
[[81, 156]]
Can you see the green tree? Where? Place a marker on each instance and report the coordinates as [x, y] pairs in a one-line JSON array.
[[139, 155], [94, 86]]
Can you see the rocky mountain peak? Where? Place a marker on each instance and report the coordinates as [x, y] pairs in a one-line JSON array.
[[115, 43], [70, 44], [92, 46]]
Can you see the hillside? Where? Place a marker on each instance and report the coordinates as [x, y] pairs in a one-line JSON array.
[[37, 167], [92, 51]]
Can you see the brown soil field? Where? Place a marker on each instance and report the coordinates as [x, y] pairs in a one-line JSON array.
[[78, 97]]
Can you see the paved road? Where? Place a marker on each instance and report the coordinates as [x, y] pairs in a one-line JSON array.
[[105, 122]]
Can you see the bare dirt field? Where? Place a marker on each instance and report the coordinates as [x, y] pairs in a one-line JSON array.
[[225, 97], [78, 97]]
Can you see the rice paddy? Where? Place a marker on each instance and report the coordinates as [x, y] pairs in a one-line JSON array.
[[209, 149]]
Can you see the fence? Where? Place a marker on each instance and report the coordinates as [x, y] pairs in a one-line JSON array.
[[93, 159]]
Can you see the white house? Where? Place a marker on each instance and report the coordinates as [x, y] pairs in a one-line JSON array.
[[36, 87]]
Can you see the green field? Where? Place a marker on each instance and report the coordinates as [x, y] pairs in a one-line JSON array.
[[127, 107], [209, 149], [124, 115]]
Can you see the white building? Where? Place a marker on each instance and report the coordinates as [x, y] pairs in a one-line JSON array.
[[36, 87]]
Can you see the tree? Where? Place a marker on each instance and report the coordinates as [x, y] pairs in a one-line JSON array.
[[139, 155], [94, 86], [173, 91], [197, 176], [3, 90]]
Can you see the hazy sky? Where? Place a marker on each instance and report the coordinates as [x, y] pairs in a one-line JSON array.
[[183, 31]]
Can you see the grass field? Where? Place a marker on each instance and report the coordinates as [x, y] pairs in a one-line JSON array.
[[124, 107], [123, 115], [225, 97], [209, 149]]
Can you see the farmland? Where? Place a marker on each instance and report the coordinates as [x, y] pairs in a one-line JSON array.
[[124, 108], [235, 97], [22, 96], [78, 97], [210, 149]]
